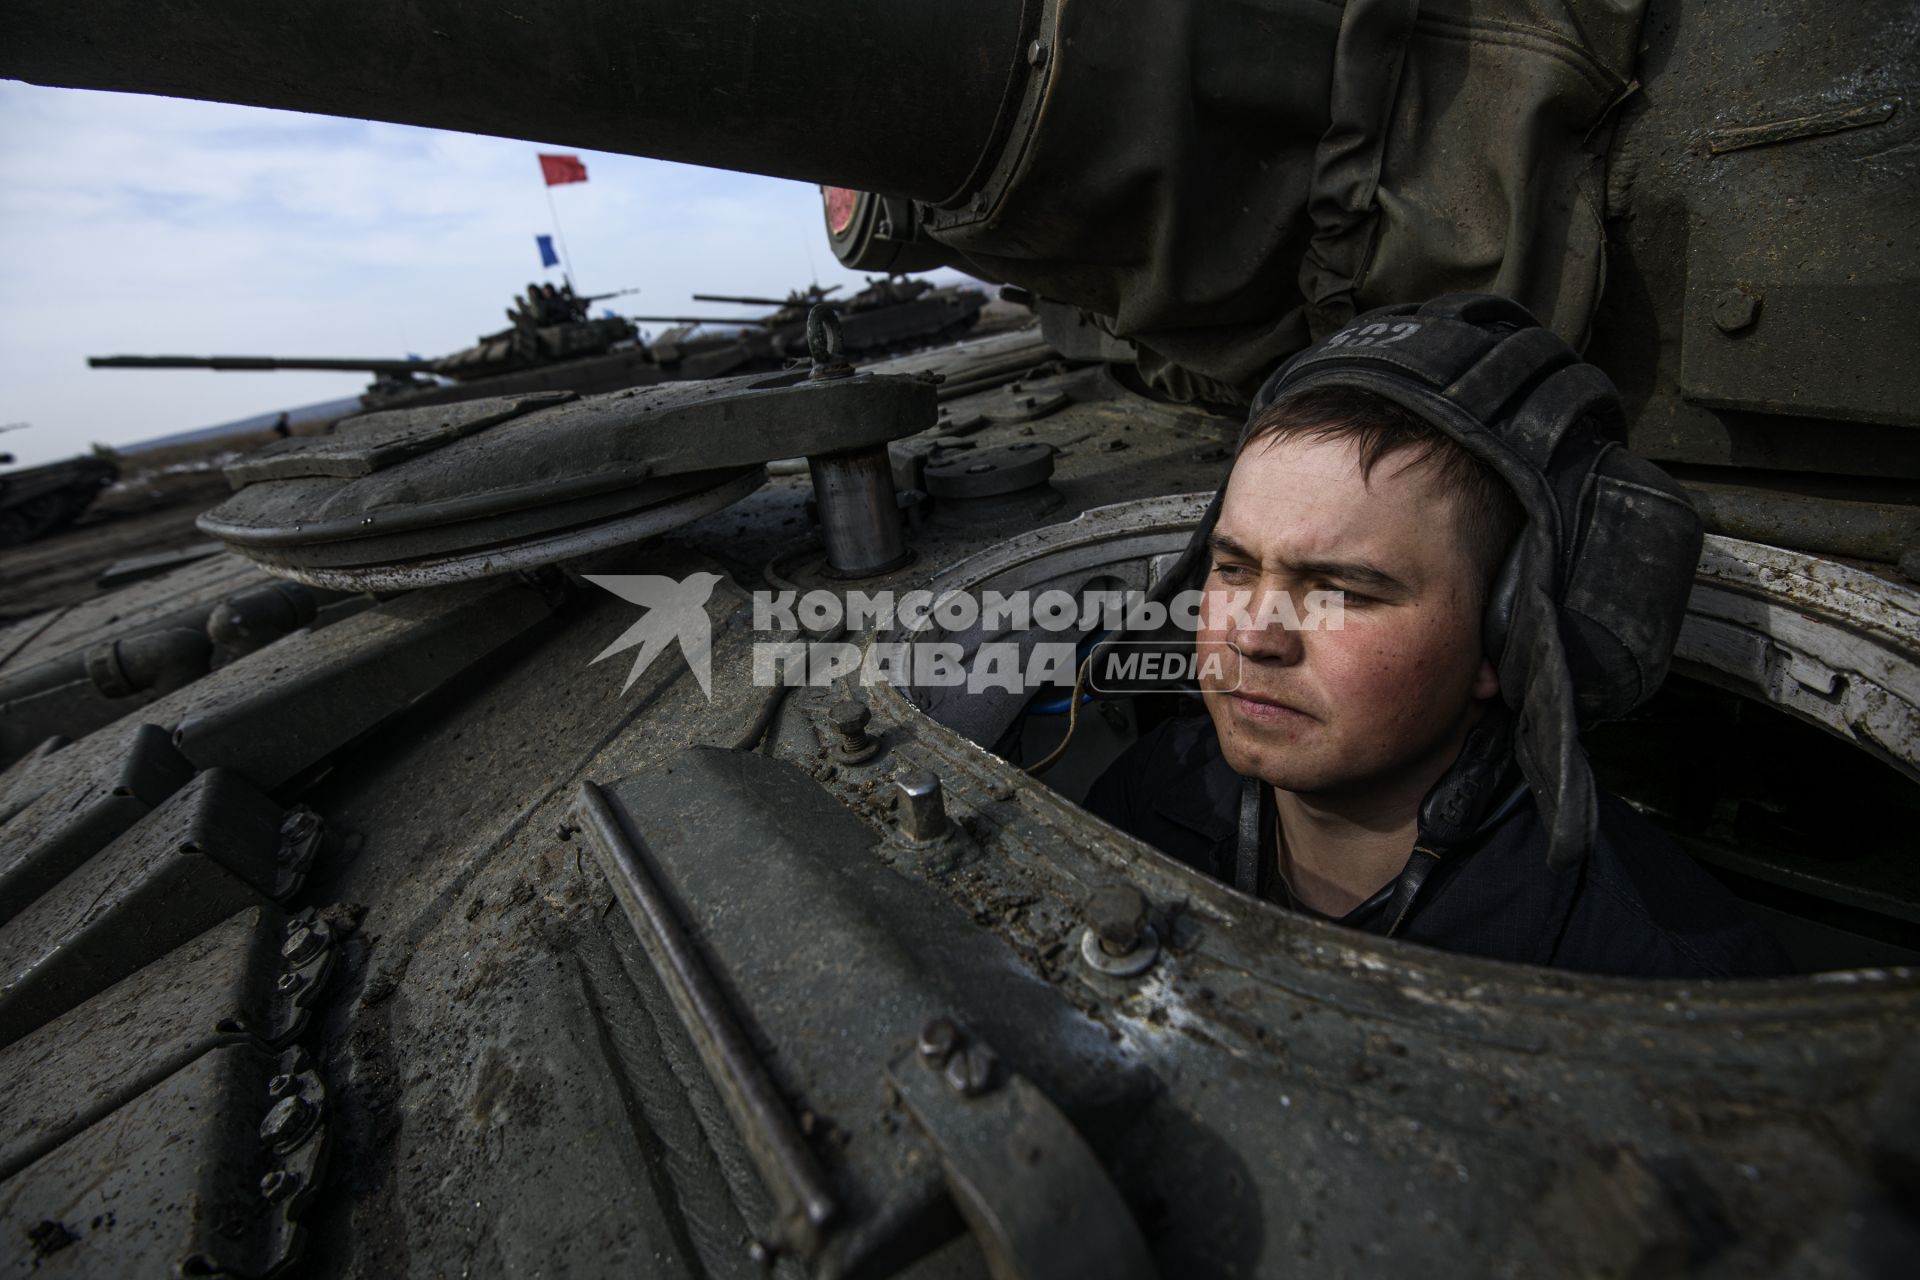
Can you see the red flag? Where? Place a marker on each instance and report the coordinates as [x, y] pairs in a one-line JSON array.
[[559, 169]]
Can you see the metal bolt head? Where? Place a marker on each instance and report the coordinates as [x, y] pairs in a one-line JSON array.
[[287, 1123], [281, 1085], [1037, 54], [1117, 914], [277, 1184], [850, 718], [290, 983], [923, 809], [1734, 310], [970, 1071], [938, 1039], [302, 944]]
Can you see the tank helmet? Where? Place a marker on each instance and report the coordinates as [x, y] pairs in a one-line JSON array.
[[1582, 616]]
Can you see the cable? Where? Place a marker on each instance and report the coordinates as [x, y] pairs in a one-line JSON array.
[[756, 729], [1073, 722], [1059, 706]]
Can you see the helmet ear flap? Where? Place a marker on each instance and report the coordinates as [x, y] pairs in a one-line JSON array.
[[1497, 619]]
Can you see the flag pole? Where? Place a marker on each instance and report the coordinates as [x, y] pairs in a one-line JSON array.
[[566, 263]]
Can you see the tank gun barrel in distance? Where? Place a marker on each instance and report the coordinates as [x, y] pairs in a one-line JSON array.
[[745, 320], [230, 364], [741, 299], [793, 300], [613, 75]]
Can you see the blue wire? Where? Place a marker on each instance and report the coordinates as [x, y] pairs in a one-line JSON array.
[[1060, 706]]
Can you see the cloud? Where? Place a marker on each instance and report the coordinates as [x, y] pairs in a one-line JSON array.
[[133, 224]]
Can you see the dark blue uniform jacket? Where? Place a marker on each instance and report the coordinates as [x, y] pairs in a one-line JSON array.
[[1636, 906]]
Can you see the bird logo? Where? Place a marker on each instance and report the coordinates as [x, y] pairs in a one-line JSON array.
[[676, 610]]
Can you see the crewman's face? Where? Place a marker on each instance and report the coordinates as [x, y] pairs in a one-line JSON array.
[[1386, 699]]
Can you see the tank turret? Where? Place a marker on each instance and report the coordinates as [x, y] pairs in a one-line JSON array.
[[551, 342], [548, 326], [891, 314]]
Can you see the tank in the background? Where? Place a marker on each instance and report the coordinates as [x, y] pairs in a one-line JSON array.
[[35, 501]]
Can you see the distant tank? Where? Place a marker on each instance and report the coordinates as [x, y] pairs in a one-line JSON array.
[[552, 344], [39, 500], [892, 314]]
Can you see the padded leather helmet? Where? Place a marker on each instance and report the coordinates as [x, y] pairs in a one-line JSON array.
[[1583, 614]]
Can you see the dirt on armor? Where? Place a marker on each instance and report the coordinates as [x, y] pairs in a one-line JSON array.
[[146, 511]]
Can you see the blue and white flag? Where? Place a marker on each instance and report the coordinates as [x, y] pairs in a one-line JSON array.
[[548, 258]]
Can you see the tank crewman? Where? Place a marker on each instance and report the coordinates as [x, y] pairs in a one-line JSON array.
[[526, 306], [1509, 573]]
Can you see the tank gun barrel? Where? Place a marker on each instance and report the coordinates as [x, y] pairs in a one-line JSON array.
[[748, 300], [230, 364], [741, 299], [658, 78], [743, 320], [602, 297]]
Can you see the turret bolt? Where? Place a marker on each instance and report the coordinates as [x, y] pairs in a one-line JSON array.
[[1117, 914], [1118, 941], [850, 720], [288, 1123], [297, 832], [1037, 54], [1735, 310], [277, 1184], [281, 1085], [970, 1071], [923, 809], [304, 943], [938, 1039], [290, 983]]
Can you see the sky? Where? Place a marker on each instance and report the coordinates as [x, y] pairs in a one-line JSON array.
[[157, 226]]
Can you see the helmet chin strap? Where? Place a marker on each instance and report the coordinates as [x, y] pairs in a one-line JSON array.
[[1449, 816], [1250, 851], [1246, 860], [1547, 743]]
